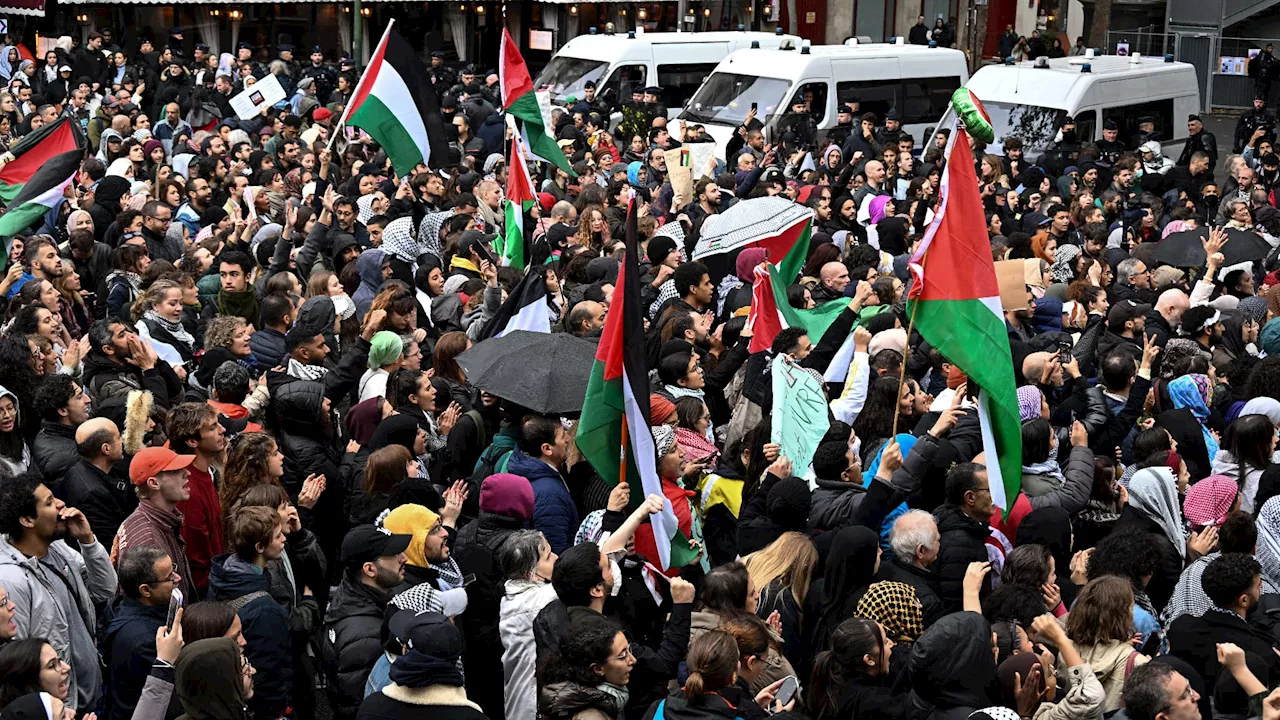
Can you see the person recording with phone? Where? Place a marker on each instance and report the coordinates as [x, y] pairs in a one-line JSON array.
[[148, 580]]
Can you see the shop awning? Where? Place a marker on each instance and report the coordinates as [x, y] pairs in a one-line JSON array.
[[22, 7]]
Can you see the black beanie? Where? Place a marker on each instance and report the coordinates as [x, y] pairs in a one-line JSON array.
[[788, 504]]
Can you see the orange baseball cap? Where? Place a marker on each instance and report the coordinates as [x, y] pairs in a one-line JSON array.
[[154, 460]]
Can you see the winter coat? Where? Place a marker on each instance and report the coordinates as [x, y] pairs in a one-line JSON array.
[[157, 693], [475, 550], [871, 698], [104, 499], [439, 702], [1072, 495], [572, 701], [1110, 664], [1083, 699], [777, 666], [962, 541], [924, 581], [106, 380], [520, 607], [38, 613], [268, 346], [709, 706], [951, 668], [128, 650], [554, 512], [834, 504], [266, 630], [353, 627], [298, 406], [54, 451], [1194, 639]]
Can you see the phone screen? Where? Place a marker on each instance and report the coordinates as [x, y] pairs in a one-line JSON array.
[[788, 690], [175, 602], [755, 106]]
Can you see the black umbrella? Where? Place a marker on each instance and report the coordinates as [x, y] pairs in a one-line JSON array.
[[544, 372], [1184, 249]]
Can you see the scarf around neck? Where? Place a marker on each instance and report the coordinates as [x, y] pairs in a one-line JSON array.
[[242, 304], [173, 328], [306, 372]]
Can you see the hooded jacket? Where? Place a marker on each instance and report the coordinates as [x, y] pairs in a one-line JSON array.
[[89, 576], [20, 465], [128, 650], [951, 668], [207, 680], [265, 628], [520, 607], [369, 267]]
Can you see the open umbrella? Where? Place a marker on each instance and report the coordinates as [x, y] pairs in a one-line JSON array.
[[546, 373], [748, 223], [1184, 249]]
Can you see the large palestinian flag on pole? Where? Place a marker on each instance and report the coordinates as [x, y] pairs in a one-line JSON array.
[[533, 117], [395, 103], [40, 194], [770, 311], [31, 153], [519, 198], [613, 433], [955, 301]]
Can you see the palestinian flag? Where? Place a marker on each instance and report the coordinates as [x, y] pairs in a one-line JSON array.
[[524, 309], [955, 303], [533, 114], [31, 153], [613, 432], [519, 198], [40, 194], [770, 311], [395, 103]]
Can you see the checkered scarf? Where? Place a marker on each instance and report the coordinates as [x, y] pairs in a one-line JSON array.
[[895, 606]]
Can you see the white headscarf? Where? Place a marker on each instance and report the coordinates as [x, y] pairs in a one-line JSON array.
[[1263, 406], [1153, 491]]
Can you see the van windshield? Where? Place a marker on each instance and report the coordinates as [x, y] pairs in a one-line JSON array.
[[565, 76], [1035, 125], [726, 98]]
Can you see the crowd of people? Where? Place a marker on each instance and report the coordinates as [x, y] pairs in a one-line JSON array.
[[229, 373]]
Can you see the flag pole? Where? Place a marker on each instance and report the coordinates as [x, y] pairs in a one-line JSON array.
[[902, 373], [364, 77]]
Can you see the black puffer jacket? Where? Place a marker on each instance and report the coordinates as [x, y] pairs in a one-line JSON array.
[[924, 581], [305, 438], [951, 669], [106, 380], [352, 644], [963, 540], [564, 700], [475, 550], [54, 451], [834, 504]]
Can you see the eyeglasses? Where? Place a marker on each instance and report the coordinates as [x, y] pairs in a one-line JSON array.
[[172, 577]]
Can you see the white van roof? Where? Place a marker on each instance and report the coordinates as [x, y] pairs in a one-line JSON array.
[[791, 63], [1063, 84], [612, 47]]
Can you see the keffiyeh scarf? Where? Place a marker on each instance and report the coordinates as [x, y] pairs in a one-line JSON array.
[[306, 372], [173, 328]]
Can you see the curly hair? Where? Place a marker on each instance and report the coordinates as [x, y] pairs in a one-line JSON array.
[[248, 465], [1102, 612], [587, 642], [221, 331]]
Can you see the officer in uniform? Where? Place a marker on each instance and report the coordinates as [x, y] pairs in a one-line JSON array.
[[892, 130], [844, 125], [437, 73], [326, 80], [1109, 147], [1255, 118]]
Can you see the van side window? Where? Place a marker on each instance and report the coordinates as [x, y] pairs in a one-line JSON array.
[[1127, 118], [875, 96], [816, 95], [1087, 126], [926, 98], [625, 80], [680, 82]]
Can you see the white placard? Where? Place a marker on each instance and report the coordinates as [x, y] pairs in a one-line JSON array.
[[250, 102]]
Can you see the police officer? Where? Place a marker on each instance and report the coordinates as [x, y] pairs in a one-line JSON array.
[[438, 74], [199, 58], [466, 76], [844, 125], [1201, 140], [326, 80], [653, 102], [1254, 119], [285, 51], [1146, 132], [892, 130], [1109, 147]]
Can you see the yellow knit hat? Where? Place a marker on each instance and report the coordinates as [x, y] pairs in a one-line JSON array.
[[414, 520]]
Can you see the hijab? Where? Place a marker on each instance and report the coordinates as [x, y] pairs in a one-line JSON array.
[[208, 682], [395, 430], [1194, 392], [850, 570], [1263, 406], [1153, 492], [895, 606], [1209, 501], [1064, 260]]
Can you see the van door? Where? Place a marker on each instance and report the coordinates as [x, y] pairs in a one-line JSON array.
[[680, 80], [872, 82]]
